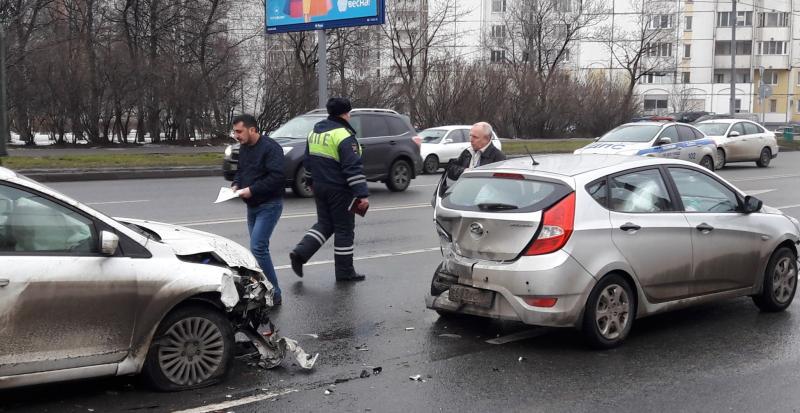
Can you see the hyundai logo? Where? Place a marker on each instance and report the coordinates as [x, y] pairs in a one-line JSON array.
[[476, 230]]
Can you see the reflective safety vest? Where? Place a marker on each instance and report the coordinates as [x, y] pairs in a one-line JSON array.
[[326, 144]]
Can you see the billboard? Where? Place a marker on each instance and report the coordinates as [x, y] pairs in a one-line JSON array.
[[298, 15]]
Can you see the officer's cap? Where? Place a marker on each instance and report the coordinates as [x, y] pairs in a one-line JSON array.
[[338, 106]]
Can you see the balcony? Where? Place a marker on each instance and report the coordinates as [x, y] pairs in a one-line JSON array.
[[771, 61], [742, 33], [724, 62]]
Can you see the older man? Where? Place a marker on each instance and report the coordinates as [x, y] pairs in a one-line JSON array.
[[480, 152]]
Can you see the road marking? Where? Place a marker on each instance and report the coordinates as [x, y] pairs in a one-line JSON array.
[[788, 206], [761, 178], [521, 335], [369, 257], [423, 186], [290, 216], [238, 402], [758, 191], [118, 202]]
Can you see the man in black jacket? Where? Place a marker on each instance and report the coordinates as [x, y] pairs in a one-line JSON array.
[[262, 182], [480, 152]]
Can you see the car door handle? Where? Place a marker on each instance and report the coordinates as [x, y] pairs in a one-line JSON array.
[[3, 283], [705, 228], [392, 142], [629, 226]]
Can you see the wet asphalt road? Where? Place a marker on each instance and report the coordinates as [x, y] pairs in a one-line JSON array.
[[718, 357]]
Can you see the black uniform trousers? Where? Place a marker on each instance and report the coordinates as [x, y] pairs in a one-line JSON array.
[[333, 217]]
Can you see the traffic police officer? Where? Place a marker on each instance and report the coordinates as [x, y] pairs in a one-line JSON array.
[[334, 168]]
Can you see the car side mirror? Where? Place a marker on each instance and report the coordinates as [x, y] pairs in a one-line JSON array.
[[664, 141], [734, 134], [752, 204], [447, 140], [108, 243]]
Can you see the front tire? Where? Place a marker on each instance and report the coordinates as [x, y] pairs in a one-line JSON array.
[[192, 348], [764, 158], [300, 185], [707, 163], [720, 159], [609, 313], [780, 282], [399, 176], [431, 164]]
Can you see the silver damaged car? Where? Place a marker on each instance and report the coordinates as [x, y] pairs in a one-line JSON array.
[[597, 241], [85, 295]]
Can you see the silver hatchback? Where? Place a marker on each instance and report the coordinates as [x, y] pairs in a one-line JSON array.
[[597, 241]]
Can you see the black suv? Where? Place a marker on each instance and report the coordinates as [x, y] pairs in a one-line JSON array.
[[390, 148]]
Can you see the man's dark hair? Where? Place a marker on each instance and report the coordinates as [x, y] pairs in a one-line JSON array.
[[249, 121]]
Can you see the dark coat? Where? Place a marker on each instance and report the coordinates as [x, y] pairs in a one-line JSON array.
[[490, 155]]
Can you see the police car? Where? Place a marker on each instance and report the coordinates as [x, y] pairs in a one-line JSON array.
[[663, 140]]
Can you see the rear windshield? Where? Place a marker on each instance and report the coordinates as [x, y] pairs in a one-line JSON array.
[[297, 128], [713, 129], [491, 194], [631, 133]]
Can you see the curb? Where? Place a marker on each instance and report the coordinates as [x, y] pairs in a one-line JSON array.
[[101, 174]]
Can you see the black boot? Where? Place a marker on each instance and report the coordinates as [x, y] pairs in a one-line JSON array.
[[352, 277], [297, 264]]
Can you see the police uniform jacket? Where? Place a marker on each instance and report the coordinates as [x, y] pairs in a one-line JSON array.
[[333, 157]]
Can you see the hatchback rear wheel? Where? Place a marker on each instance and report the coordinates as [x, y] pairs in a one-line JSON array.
[[780, 282], [192, 348], [609, 312]]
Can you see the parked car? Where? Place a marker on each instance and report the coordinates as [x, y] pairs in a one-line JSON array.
[[390, 148], [598, 241], [84, 295], [752, 117], [740, 141], [662, 140], [688, 116], [443, 143]]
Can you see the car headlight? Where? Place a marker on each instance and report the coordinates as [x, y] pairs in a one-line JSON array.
[[287, 149], [228, 151]]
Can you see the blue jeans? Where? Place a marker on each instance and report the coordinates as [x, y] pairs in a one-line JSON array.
[[261, 221]]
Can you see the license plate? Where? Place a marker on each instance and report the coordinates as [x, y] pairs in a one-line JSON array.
[[468, 295]]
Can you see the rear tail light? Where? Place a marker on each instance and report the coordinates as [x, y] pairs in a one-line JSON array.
[[557, 224], [417, 139]]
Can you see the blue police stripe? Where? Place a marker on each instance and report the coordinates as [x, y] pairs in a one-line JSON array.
[[688, 144]]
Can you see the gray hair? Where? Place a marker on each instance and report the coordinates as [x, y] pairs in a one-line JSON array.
[[486, 128]]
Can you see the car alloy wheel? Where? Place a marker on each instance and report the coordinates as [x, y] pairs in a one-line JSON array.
[[300, 187], [780, 282], [764, 158], [612, 312], [399, 176], [720, 159], [431, 164], [194, 351], [609, 313]]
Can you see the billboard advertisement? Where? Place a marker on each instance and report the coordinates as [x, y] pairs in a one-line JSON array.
[[298, 15]]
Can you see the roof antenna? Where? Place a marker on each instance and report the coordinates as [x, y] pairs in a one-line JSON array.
[[533, 161]]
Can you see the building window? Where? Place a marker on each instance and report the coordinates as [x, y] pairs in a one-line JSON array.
[[563, 6], [745, 78], [737, 105], [798, 105], [654, 104], [685, 77], [659, 49], [719, 78], [498, 6], [770, 77], [773, 105], [661, 21], [743, 48], [743, 19], [498, 56], [687, 51], [499, 32], [773, 19], [772, 47], [687, 26]]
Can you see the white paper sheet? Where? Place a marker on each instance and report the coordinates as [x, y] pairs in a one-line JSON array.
[[225, 194]]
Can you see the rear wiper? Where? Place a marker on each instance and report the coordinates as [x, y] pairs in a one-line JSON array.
[[496, 207]]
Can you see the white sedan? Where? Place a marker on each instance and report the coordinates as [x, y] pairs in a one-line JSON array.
[[740, 141], [443, 143]]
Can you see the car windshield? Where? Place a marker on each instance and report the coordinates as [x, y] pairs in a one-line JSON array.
[[631, 133], [713, 129], [297, 128], [432, 135]]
